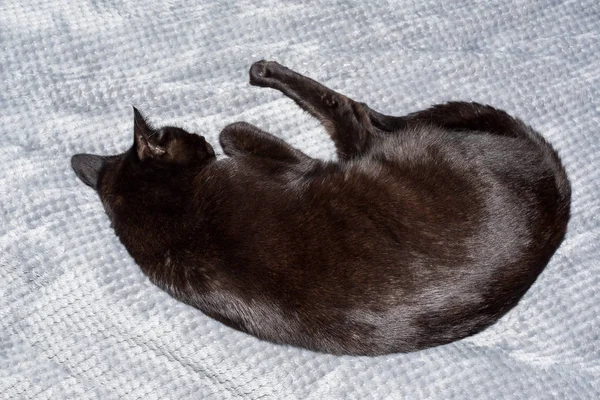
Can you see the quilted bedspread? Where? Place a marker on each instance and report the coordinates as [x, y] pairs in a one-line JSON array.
[[79, 320]]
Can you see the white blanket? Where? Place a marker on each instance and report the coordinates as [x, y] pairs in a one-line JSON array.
[[77, 317]]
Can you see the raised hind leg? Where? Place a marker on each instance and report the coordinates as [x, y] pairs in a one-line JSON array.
[[347, 121]]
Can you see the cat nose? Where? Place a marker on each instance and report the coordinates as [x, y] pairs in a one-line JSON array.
[[87, 167]]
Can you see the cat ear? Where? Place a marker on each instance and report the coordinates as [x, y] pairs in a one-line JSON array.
[[145, 138]]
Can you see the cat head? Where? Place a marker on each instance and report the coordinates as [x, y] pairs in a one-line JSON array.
[[167, 149]]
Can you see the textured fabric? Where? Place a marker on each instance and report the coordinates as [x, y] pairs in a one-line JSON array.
[[77, 317]]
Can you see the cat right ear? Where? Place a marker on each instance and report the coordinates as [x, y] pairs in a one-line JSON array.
[[145, 144]]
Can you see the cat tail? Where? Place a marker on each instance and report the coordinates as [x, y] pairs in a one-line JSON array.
[[470, 116]]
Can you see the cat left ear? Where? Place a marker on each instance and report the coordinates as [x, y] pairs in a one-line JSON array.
[[145, 138]]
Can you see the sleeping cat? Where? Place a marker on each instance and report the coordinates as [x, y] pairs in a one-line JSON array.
[[427, 229]]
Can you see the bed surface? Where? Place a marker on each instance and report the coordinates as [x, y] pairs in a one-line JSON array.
[[77, 317]]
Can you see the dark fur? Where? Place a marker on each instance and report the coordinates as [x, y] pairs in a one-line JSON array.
[[428, 229]]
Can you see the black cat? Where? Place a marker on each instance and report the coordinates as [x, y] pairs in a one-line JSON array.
[[427, 229]]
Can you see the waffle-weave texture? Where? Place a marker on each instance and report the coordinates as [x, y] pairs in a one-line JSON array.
[[77, 317]]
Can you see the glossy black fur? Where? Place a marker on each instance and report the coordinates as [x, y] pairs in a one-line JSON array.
[[427, 229]]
